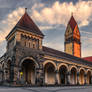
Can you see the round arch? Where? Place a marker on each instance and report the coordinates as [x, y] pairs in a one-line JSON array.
[[30, 58], [63, 70], [89, 70], [62, 64], [88, 77], [9, 59], [49, 61], [82, 76], [49, 73], [28, 67], [82, 69], [73, 75], [73, 67]]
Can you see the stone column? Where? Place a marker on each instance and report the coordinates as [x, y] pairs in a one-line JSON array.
[[85, 79], [39, 70], [68, 78], [56, 77], [12, 73], [91, 79], [78, 78], [39, 76]]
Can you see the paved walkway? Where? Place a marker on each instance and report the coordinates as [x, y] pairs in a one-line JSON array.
[[47, 89]]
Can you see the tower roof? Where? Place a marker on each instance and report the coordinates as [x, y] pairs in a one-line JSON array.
[[27, 24], [72, 22]]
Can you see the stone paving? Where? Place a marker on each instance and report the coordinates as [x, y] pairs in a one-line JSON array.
[[47, 89]]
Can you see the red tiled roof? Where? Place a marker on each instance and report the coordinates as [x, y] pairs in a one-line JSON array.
[[72, 22], [88, 58], [27, 24]]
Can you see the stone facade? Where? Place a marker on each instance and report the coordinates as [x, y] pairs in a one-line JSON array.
[[27, 62], [72, 38]]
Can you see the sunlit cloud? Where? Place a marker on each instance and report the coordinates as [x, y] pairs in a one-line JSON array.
[[49, 17], [59, 13]]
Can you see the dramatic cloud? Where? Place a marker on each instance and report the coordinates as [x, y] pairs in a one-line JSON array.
[[10, 22], [7, 25], [59, 13], [49, 18]]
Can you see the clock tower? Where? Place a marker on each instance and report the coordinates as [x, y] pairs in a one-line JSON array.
[[72, 38]]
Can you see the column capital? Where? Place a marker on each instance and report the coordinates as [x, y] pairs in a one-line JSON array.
[[69, 72], [56, 71]]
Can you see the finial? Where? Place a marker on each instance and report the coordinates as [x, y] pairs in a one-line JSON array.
[[25, 9]]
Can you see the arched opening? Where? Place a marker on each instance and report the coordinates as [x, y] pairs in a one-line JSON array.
[[28, 69], [81, 77], [9, 70], [88, 77], [73, 76], [63, 74], [49, 71]]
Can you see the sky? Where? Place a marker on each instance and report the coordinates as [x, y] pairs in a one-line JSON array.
[[52, 17]]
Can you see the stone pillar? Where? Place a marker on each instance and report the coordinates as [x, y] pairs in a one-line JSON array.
[[68, 78], [39, 76], [78, 83], [85, 79], [12, 73], [91, 79], [5, 73], [56, 77]]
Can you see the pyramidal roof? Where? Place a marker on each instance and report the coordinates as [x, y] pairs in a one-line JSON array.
[[27, 24], [72, 22]]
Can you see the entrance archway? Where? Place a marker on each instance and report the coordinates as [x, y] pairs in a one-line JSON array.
[[81, 77], [88, 77], [63, 74], [28, 69], [49, 71], [73, 76]]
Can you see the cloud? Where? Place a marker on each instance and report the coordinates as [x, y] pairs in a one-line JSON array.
[[86, 37], [46, 27], [54, 45], [59, 13], [7, 24], [85, 32]]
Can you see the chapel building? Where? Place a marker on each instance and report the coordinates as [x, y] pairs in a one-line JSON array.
[[28, 62]]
